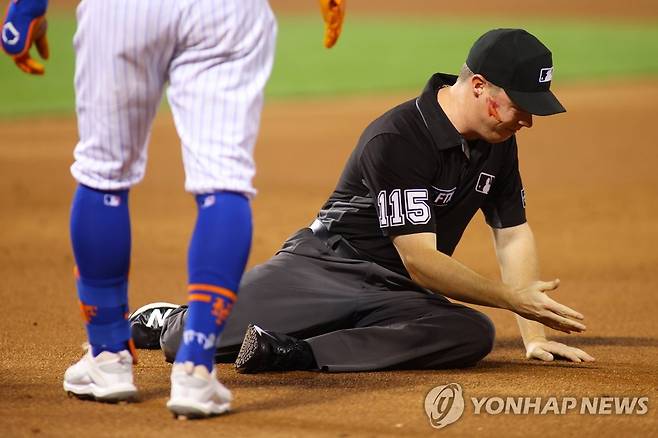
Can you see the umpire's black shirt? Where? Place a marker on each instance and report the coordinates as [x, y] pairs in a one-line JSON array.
[[412, 172]]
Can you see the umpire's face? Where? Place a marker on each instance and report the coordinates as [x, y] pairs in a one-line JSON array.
[[500, 117]]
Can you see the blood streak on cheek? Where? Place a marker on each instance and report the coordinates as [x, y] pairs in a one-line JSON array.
[[493, 109]]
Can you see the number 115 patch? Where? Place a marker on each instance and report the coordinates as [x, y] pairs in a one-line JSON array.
[[398, 206]]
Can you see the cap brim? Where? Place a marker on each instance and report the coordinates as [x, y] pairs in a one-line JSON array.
[[539, 103]]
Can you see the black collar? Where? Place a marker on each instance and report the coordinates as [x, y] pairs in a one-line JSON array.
[[443, 132]]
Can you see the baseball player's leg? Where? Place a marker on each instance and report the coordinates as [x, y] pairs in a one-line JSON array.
[[391, 323], [217, 78], [216, 91], [406, 330], [290, 294], [122, 50], [217, 256], [119, 79], [343, 308], [366, 317]]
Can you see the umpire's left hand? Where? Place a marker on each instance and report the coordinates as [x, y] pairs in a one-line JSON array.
[[547, 350], [25, 24]]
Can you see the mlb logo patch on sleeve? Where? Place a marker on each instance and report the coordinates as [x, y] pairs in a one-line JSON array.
[[485, 181]]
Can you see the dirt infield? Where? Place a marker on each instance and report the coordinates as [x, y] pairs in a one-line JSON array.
[[592, 190]]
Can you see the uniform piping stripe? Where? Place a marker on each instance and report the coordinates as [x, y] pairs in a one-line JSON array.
[[199, 297], [214, 289], [421, 114]]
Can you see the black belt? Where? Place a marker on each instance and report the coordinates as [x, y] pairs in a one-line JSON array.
[[334, 242]]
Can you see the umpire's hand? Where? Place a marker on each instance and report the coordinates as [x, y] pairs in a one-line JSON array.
[[532, 303], [25, 24], [547, 350]]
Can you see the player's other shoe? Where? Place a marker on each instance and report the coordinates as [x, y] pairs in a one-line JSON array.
[[146, 324], [196, 393], [269, 351], [107, 377]]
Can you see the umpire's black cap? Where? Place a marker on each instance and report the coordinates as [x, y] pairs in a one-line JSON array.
[[520, 64]]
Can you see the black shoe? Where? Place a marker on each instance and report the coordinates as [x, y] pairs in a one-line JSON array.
[[269, 351], [146, 324]]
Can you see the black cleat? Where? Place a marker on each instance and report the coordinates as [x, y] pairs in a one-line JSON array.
[[146, 324], [268, 351]]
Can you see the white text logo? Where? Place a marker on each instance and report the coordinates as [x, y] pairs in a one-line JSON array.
[[442, 196], [445, 405], [157, 318], [561, 406], [207, 341]]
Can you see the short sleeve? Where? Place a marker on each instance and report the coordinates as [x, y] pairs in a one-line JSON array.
[[398, 175], [505, 206]]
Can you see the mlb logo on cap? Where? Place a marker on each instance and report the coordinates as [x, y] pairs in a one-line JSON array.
[[546, 74]]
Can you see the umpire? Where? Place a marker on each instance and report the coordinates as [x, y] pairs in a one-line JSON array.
[[365, 286]]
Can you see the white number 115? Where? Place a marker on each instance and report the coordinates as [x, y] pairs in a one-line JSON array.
[[416, 209]]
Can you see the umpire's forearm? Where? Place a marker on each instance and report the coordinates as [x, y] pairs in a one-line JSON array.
[[519, 266], [445, 275]]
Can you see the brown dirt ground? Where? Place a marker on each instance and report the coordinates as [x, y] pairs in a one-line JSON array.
[[592, 190]]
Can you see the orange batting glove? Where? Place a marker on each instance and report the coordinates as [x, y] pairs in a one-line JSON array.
[[25, 24], [333, 12]]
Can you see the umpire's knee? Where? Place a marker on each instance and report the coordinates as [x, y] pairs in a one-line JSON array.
[[479, 335], [482, 338], [473, 339], [463, 342]]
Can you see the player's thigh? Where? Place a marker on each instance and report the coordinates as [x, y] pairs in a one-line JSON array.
[[216, 87], [123, 49]]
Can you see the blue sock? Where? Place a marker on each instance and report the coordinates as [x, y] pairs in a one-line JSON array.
[[100, 236], [217, 257]]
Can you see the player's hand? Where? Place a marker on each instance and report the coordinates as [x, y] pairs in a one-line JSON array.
[[25, 24], [547, 350], [532, 303], [333, 12]]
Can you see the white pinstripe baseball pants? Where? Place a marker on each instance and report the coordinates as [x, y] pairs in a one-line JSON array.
[[216, 56]]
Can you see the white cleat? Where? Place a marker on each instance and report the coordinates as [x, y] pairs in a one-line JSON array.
[[196, 393], [107, 377]]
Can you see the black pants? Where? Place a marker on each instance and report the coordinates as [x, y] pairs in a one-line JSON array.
[[356, 315]]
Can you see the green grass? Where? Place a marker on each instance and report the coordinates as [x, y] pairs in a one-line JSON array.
[[388, 55], [372, 56]]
